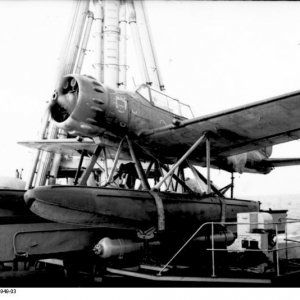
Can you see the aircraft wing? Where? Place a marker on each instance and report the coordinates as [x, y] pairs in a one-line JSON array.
[[242, 129], [74, 146], [70, 146]]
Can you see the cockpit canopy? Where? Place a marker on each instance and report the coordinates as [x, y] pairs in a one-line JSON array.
[[165, 102]]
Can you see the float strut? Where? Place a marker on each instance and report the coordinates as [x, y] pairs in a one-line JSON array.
[[105, 163], [202, 178], [79, 167], [138, 166], [90, 167], [110, 177], [232, 186], [208, 165], [147, 172], [179, 162], [178, 179]]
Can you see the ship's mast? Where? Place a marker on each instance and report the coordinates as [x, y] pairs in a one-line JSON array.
[[98, 37], [148, 45], [123, 23]]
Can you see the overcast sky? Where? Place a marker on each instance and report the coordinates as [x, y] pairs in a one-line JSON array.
[[213, 55]]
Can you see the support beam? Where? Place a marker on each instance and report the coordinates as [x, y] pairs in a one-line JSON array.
[[105, 163], [159, 166], [110, 177], [147, 172], [111, 34], [157, 170], [201, 177], [182, 177], [208, 165], [90, 167], [79, 167], [176, 182], [137, 43], [170, 183], [224, 189], [138, 166], [183, 184], [161, 170], [150, 53], [232, 186], [149, 168], [215, 190], [200, 181], [98, 21], [179, 162], [37, 159], [122, 84], [56, 160], [83, 48]]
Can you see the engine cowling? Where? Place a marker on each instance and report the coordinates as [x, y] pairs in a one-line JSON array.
[[79, 105]]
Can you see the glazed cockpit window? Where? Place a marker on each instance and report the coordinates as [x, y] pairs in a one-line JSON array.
[[165, 102]]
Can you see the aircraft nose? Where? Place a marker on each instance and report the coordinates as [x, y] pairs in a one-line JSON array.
[[64, 101], [78, 105]]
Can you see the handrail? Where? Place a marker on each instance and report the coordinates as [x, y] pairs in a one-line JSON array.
[[181, 248], [276, 250]]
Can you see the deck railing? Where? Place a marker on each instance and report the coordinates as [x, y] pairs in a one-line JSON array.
[[213, 249]]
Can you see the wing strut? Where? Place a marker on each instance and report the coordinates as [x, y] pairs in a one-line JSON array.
[[90, 167], [198, 175], [138, 165], [208, 165], [105, 162], [176, 177], [200, 141], [79, 167], [160, 167], [116, 160]]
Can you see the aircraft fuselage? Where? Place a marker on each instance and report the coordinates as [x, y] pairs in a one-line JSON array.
[[83, 106]]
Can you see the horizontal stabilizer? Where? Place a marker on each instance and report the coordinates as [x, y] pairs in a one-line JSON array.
[[281, 162]]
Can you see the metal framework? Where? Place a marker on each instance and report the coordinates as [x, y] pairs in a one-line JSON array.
[[143, 175]]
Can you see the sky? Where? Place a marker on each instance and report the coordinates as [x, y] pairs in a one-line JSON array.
[[212, 55]]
